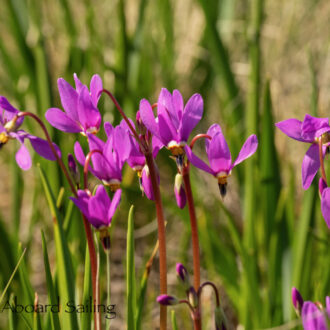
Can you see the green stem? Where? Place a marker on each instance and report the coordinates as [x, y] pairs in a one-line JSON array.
[[108, 287]]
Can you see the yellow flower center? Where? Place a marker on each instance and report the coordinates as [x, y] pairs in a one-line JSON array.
[[3, 138]]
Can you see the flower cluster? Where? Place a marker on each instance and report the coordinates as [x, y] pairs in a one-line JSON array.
[[314, 316], [316, 132]]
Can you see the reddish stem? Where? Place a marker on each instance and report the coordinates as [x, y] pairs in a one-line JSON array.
[[217, 298], [87, 161], [89, 236], [197, 137], [322, 161], [161, 236], [136, 135]]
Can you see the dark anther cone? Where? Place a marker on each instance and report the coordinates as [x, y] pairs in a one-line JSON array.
[[223, 189]]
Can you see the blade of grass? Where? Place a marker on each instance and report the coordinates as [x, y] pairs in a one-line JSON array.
[[173, 320], [86, 318], [130, 273], [50, 286], [63, 258]]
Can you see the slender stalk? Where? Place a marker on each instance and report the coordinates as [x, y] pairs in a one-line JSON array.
[[324, 177], [161, 236], [87, 161], [87, 227], [146, 149], [193, 224], [217, 298], [97, 314], [107, 326]]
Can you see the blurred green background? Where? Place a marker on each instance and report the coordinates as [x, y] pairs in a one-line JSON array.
[[254, 62]]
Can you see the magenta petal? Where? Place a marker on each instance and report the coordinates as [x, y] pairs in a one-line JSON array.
[[122, 144], [292, 128], [212, 131], [78, 83], [178, 104], [197, 161], [5, 105], [43, 149], [114, 204], [219, 154], [180, 194], [98, 209], [166, 133], [310, 165], [249, 148], [325, 206], [102, 195], [60, 120], [108, 128], [147, 184], [166, 109], [314, 127], [192, 114], [96, 87], [79, 153], [312, 317], [82, 202], [23, 157], [69, 98], [89, 116], [148, 117]]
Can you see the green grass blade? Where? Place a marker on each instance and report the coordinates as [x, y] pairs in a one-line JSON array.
[[12, 275], [63, 258], [130, 273], [87, 317], [50, 286], [173, 320]]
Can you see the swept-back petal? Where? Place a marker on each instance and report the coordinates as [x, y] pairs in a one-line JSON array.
[[213, 130], [42, 147], [166, 108], [310, 165], [82, 202], [78, 83], [219, 154], [178, 104], [89, 115], [166, 131], [122, 144], [312, 317], [69, 98], [114, 204], [23, 157], [148, 117], [313, 127], [292, 128], [197, 161], [192, 114], [5, 105], [98, 212], [325, 208], [96, 87], [249, 148], [60, 120]]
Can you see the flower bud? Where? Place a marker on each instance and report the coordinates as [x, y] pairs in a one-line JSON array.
[[73, 168], [183, 275], [166, 300], [220, 319], [297, 300], [180, 194], [192, 297], [322, 186]]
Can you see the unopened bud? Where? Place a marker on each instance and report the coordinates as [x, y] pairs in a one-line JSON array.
[[183, 275], [180, 194], [192, 297], [322, 186], [297, 300], [73, 168], [167, 300], [220, 319]]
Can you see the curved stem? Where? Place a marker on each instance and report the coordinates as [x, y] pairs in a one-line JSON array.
[[197, 137], [136, 135], [161, 236], [87, 161], [214, 289], [193, 224], [322, 161], [184, 301], [87, 227], [49, 140]]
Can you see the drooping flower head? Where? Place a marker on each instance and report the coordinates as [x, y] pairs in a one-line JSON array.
[[108, 165], [81, 114], [311, 130], [98, 209], [180, 194], [313, 317], [219, 156], [136, 159], [9, 129], [174, 121]]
